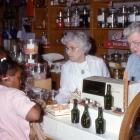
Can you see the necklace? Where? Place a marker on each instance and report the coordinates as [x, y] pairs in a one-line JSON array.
[[82, 71]]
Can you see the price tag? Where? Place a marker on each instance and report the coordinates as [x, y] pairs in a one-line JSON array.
[[125, 91]]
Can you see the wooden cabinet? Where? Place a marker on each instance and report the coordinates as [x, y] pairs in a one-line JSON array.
[[50, 14], [98, 35]]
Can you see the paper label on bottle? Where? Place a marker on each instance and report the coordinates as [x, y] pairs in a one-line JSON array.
[[31, 61], [99, 18], [132, 18], [120, 19], [30, 46], [137, 17], [109, 20]]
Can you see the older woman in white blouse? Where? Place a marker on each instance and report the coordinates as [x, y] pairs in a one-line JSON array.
[[80, 65]]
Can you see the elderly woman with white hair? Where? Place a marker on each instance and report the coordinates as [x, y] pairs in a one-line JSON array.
[[80, 65], [132, 32]]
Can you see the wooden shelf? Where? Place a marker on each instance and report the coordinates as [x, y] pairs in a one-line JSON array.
[[79, 3], [40, 28], [107, 1], [70, 28], [107, 47], [108, 28]]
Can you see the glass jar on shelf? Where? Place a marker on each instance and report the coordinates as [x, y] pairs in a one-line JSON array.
[[59, 19], [105, 57], [112, 18], [75, 19], [101, 18], [133, 10], [89, 17], [123, 17], [137, 16], [67, 19]]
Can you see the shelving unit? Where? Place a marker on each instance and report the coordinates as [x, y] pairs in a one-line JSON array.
[[99, 35]]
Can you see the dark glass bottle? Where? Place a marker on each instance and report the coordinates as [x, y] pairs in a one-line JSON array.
[[108, 98], [85, 119], [75, 113], [4, 35], [84, 17], [100, 123], [13, 32]]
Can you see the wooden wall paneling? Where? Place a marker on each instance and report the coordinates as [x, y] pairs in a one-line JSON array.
[[100, 51]]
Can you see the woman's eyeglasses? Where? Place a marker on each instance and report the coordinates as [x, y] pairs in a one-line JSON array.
[[72, 49], [135, 44]]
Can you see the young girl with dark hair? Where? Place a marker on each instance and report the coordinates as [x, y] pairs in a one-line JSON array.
[[16, 109]]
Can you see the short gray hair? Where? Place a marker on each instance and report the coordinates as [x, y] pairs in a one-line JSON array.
[[132, 28], [80, 38]]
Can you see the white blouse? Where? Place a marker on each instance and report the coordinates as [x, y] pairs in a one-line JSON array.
[[73, 73]]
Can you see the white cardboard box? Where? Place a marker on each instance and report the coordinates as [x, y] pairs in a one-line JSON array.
[[59, 113]]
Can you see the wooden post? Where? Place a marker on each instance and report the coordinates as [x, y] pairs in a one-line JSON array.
[[125, 91]]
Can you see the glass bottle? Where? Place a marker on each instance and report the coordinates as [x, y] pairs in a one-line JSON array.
[[137, 16], [123, 17], [85, 119], [108, 98], [67, 19], [84, 17], [105, 57], [75, 113], [44, 38], [75, 19], [133, 11], [101, 18], [13, 32], [4, 34], [100, 122], [111, 19], [59, 19], [89, 17]]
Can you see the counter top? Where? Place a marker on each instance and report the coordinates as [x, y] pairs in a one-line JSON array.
[[63, 129]]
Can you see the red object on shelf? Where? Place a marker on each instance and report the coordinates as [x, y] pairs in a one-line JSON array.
[[30, 8], [115, 44], [60, 24]]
